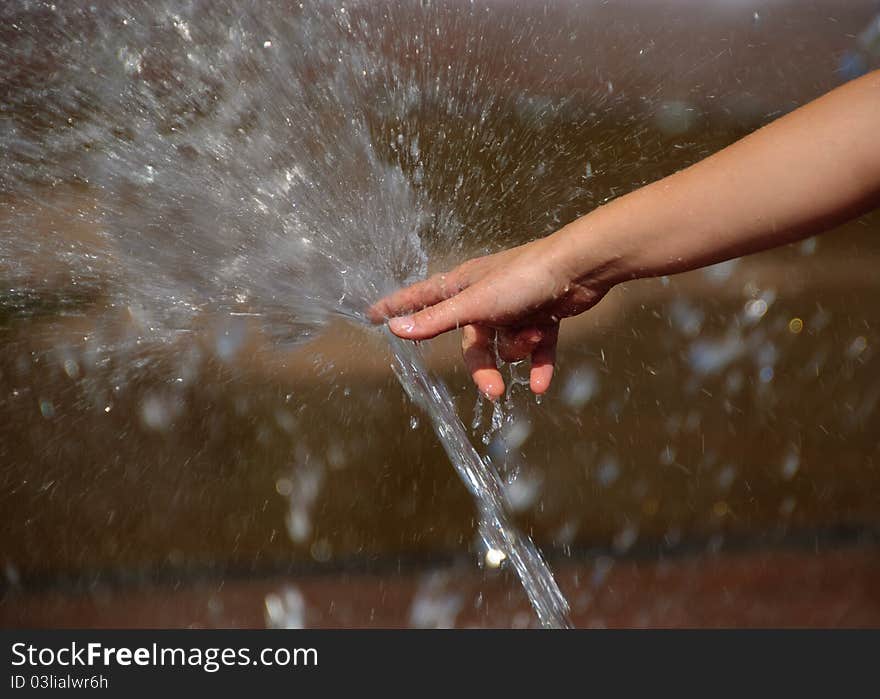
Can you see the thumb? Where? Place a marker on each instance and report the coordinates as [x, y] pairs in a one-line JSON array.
[[440, 318]]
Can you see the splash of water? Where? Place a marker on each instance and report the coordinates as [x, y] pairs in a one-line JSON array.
[[188, 159]]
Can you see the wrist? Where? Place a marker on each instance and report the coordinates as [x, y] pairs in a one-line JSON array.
[[596, 252]]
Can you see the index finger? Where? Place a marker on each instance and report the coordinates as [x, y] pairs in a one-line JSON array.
[[436, 288]]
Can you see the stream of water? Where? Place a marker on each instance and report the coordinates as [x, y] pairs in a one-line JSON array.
[[500, 537]]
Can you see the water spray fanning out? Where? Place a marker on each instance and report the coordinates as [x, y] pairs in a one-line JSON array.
[[278, 163]]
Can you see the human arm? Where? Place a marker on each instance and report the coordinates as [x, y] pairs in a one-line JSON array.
[[800, 175]]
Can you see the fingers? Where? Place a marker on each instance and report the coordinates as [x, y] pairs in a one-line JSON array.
[[417, 296], [476, 346], [544, 359], [537, 342], [440, 318]]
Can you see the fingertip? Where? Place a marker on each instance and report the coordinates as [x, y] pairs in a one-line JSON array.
[[489, 383], [543, 361], [493, 392], [402, 326], [539, 379]]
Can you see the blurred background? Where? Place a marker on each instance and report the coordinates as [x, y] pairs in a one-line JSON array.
[[708, 455]]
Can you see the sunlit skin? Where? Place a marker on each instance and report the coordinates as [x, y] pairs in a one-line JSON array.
[[801, 175]]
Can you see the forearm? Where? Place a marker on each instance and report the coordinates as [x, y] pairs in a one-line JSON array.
[[799, 176]]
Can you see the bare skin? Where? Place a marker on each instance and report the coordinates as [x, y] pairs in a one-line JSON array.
[[801, 175]]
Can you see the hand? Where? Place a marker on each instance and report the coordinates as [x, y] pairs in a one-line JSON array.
[[725, 206], [515, 298]]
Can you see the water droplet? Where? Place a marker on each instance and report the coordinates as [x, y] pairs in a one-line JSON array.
[[608, 471], [580, 387], [626, 538], [790, 465], [283, 486], [321, 550], [857, 346], [495, 558]]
